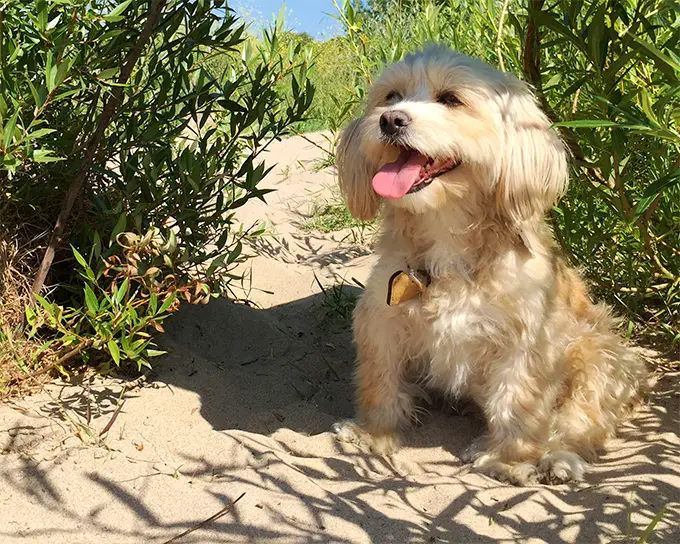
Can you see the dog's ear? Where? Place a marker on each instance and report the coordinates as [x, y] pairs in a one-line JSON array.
[[355, 171], [534, 169]]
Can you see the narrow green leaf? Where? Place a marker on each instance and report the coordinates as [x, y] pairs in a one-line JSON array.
[[121, 225], [108, 73], [91, 300], [30, 315], [121, 291], [597, 39], [142, 362], [550, 21], [45, 155], [650, 528], [68, 339], [34, 93], [234, 253], [47, 306], [656, 52], [586, 123], [40, 132], [10, 126], [216, 262], [154, 352], [81, 260], [62, 71], [114, 350], [661, 184], [50, 72], [168, 301], [96, 247], [125, 343], [646, 106], [281, 17], [114, 15]]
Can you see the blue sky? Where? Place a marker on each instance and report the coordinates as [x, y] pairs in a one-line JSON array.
[[301, 15]]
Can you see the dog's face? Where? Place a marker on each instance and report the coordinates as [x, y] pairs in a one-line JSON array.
[[442, 131]]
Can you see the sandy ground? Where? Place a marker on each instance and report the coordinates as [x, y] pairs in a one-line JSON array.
[[244, 403]]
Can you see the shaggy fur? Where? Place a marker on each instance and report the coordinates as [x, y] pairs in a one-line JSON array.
[[505, 321]]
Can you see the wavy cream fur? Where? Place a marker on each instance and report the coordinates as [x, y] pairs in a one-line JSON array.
[[505, 320]]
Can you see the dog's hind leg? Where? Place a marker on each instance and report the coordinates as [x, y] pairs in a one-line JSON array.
[[384, 402], [605, 377]]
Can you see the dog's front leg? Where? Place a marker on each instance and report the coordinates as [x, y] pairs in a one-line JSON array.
[[517, 401], [383, 402]]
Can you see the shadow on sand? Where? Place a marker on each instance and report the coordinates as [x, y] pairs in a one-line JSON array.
[[290, 367], [272, 381]]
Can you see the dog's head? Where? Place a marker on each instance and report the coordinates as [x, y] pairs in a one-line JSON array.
[[441, 129]]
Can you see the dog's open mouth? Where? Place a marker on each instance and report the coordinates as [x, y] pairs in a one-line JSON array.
[[410, 173]]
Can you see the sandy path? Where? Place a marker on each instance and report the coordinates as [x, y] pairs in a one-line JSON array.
[[244, 402]]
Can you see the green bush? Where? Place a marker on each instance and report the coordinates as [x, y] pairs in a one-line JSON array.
[[608, 74], [330, 70], [118, 137]]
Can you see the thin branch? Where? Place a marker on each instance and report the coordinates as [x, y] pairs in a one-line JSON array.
[[310, 141], [620, 189], [75, 351], [667, 246], [499, 37], [219, 514], [93, 146], [108, 426], [643, 291], [532, 72], [574, 104]]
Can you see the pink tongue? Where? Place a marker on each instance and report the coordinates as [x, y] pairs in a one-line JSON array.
[[395, 179]]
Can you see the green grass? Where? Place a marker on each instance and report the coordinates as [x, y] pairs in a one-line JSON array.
[[338, 301], [321, 163], [331, 217]]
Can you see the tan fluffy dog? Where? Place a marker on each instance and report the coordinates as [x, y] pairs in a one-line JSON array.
[[467, 165]]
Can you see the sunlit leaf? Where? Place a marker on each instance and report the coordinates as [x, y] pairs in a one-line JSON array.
[[114, 351]]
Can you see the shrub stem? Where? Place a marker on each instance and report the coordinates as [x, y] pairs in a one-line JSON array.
[[93, 146]]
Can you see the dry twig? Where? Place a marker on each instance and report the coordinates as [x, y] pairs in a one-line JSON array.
[[219, 514]]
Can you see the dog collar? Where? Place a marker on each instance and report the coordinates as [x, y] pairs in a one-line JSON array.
[[407, 285]]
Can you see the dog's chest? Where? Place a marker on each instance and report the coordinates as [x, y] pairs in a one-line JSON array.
[[455, 312], [460, 330]]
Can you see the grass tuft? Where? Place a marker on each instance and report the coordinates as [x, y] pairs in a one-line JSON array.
[[338, 300], [331, 217]]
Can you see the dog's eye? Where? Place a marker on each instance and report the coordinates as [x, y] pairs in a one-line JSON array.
[[448, 99], [392, 96]]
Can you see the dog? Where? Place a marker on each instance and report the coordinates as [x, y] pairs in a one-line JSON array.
[[470, 292]]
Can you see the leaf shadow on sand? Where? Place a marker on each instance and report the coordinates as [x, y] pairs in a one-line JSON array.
[[271, 383], [290, 368]]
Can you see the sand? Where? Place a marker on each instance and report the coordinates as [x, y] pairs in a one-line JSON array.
[[244, 403]]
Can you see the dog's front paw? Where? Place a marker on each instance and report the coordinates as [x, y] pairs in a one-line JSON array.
[[554, 468], [559, 467], [520, 474], [380, 443]]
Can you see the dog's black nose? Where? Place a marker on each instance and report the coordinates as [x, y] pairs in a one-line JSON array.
[[393, 122]]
